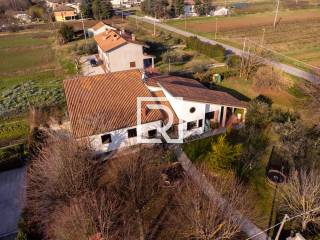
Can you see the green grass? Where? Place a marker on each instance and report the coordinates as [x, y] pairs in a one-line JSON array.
[[17, 129], [32, 67]]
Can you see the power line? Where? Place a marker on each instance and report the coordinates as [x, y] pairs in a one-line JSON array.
[[288, 219]]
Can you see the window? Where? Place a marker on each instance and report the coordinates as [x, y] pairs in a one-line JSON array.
[[191, 125], [132, 64], [152, 133], [192, 110], [132, 133], [106, 138], [200, 123]]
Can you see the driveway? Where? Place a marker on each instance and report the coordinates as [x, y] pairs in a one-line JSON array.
[[284, 67], [12, 191], [87, 69]]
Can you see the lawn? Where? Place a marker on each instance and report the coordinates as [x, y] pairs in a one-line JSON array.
[[32, 67], [296, 36], [259, 191]]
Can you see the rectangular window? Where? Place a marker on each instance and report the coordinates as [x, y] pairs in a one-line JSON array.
[[200, 122], [106, 138], [132, 133], [132, 64], [152, 133], [191, 125]]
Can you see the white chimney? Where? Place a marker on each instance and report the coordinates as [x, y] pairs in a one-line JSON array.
[[133, 37]]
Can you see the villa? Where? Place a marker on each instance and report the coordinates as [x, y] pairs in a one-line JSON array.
[[103, 108]]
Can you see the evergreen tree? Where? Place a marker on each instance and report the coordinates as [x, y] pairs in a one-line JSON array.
[[102, 9], [106, 9], [86, 9], [96, 9], [199, 7], [179, 7]]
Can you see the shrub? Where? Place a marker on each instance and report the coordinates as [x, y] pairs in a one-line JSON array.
[[223, 154], [175, 56], [66, 33], [87, 48], [233, 61], [258, 114], [264, 99], [213, 51], [267, 77], [281, 116]]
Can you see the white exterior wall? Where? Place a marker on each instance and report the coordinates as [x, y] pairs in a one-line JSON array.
[[182, 109], [189, 10], [121, 57], [120, 137]]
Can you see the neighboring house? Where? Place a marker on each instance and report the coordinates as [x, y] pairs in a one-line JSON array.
[[64, 13], [53, 4], [22, 17], [189, 8], [100, 27], [103, 108], [220, 12], [120, 51]]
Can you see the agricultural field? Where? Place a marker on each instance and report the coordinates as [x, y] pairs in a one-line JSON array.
[[32, 67], [296, 36]]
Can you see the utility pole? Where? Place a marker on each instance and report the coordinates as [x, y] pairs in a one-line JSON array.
[[276, 16], [169, 66], [84, 31], [285, 218], [242, 56], [215, 34]]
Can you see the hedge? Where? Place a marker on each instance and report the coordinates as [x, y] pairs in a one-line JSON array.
[[213, 51], [12, 157]]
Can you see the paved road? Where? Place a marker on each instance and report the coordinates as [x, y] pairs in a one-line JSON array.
[[247, 226], [284, 67], [12, 188]]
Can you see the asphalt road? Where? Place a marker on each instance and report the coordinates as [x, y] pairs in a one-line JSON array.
[[284, 67], [12, 188]]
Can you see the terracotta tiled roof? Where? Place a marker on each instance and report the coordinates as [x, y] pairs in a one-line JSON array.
[[111, 39], [167, 104], [98, 26], [193, 90], [106, 102]]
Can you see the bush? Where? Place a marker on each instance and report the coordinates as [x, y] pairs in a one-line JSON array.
[[12, 157], [233, 61], [267, 77], [175, 56], [281, 116], [66, 33], [223, 154], [86, 49], [264, 99], [258, 114], [213, 51]]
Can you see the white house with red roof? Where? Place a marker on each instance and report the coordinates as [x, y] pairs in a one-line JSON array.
[[98, 28], [104, 108], [120, 51]]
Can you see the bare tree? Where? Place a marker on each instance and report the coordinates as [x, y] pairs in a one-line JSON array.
[[300, 195], [137, 181], [61, 171], [92, 215], [206, 219]]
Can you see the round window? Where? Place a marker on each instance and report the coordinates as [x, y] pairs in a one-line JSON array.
[[192, 110]]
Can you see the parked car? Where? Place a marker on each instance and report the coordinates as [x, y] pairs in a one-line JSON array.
[[93, 62]]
